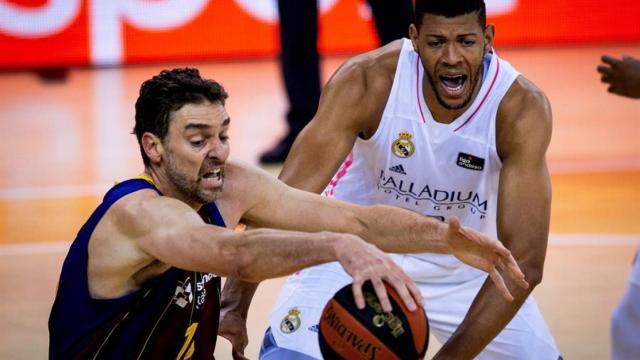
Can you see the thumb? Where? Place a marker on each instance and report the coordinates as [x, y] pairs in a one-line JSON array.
[[454, 224]]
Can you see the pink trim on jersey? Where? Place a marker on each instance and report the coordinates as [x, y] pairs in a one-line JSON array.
[[493, 82], [418, 89], [342, 171]]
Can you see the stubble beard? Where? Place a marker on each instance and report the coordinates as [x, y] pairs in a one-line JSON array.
[[188, 188], [466, 101]]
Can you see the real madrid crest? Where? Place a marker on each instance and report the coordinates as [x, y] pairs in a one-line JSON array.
[[403, 147], [291, 322]]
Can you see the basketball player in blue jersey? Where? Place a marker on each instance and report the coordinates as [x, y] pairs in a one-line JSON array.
[[141, 280], [440, 125], [623, 78]]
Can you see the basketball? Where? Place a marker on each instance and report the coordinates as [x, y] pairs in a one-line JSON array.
[[349, 333]]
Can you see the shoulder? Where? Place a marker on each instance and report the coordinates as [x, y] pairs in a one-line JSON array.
[[524, 115], [360, 87], [129, 214], [522, 96], [369, 69], [243, 185]]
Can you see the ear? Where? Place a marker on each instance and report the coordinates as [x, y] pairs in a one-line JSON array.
[[413, 35], [489, 35], [152, 147]]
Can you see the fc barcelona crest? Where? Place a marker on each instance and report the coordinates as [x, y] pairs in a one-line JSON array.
[[403, 147]]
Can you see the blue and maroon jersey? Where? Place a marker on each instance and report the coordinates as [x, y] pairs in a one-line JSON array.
[[174, 315]]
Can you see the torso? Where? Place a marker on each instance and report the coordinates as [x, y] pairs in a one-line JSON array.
[[163, 310], [435, 169]]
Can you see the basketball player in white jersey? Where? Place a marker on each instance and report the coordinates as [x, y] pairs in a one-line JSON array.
[[438, 124], [623, 78]]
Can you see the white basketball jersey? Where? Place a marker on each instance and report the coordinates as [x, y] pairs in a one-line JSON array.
[[435, 169]]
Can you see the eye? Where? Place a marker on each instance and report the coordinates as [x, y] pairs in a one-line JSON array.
[[434, 44], [467, 42], [197, 143], [224, 138]]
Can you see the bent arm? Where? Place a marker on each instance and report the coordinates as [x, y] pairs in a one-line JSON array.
[[351, 105], [524, 202]]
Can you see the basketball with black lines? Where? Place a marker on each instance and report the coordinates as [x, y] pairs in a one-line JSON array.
[[349, 333]]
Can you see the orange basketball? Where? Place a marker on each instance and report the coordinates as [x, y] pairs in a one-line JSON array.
[[349, 333]]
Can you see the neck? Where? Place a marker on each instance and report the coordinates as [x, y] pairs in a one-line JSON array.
[[166, 187]]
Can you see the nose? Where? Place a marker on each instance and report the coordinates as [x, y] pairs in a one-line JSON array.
[[218, 150], [451, 55]]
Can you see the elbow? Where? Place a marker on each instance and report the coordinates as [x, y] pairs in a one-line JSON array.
[[533, 271]]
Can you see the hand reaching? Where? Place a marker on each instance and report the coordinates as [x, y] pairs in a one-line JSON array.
[[480, 251], [233, 327], [364, 262], [622, 75]]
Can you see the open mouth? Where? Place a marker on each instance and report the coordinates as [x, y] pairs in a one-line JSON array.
[[453, 85], [213, 177]]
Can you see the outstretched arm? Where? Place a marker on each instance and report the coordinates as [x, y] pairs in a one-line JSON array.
[[524, 201], [174, 234], [281, 207]]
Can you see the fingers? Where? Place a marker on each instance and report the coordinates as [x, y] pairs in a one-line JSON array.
[[611, 60], [356, 288], [605, 70], [454, 224], [499, 282], [416, 294], [408, 292], [511, 267], [479, 238], [237, 355], [381, 292], [616, 89]]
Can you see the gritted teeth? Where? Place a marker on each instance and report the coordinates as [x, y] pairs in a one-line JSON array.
[[217, 173]]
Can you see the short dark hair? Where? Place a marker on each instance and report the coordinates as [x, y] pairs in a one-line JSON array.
[[168, 92], [450, 8]]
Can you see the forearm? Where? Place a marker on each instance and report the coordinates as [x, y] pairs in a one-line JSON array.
[[237, 295], [399, 230], [252, 255], [488, 315], [263, 253]]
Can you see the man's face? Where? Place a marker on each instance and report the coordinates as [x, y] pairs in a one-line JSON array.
[[451, 51], [196, 148]]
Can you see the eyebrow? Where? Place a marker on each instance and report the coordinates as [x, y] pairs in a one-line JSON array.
[[205, 126], [440, 36]]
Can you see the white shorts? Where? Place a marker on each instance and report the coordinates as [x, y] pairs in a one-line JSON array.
[[294, 320]]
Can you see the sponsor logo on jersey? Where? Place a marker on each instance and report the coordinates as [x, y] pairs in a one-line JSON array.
[[470, 162], [416, 194], [291, 321], [403, 147], [398, 169], [201, 288], [183, 294]]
